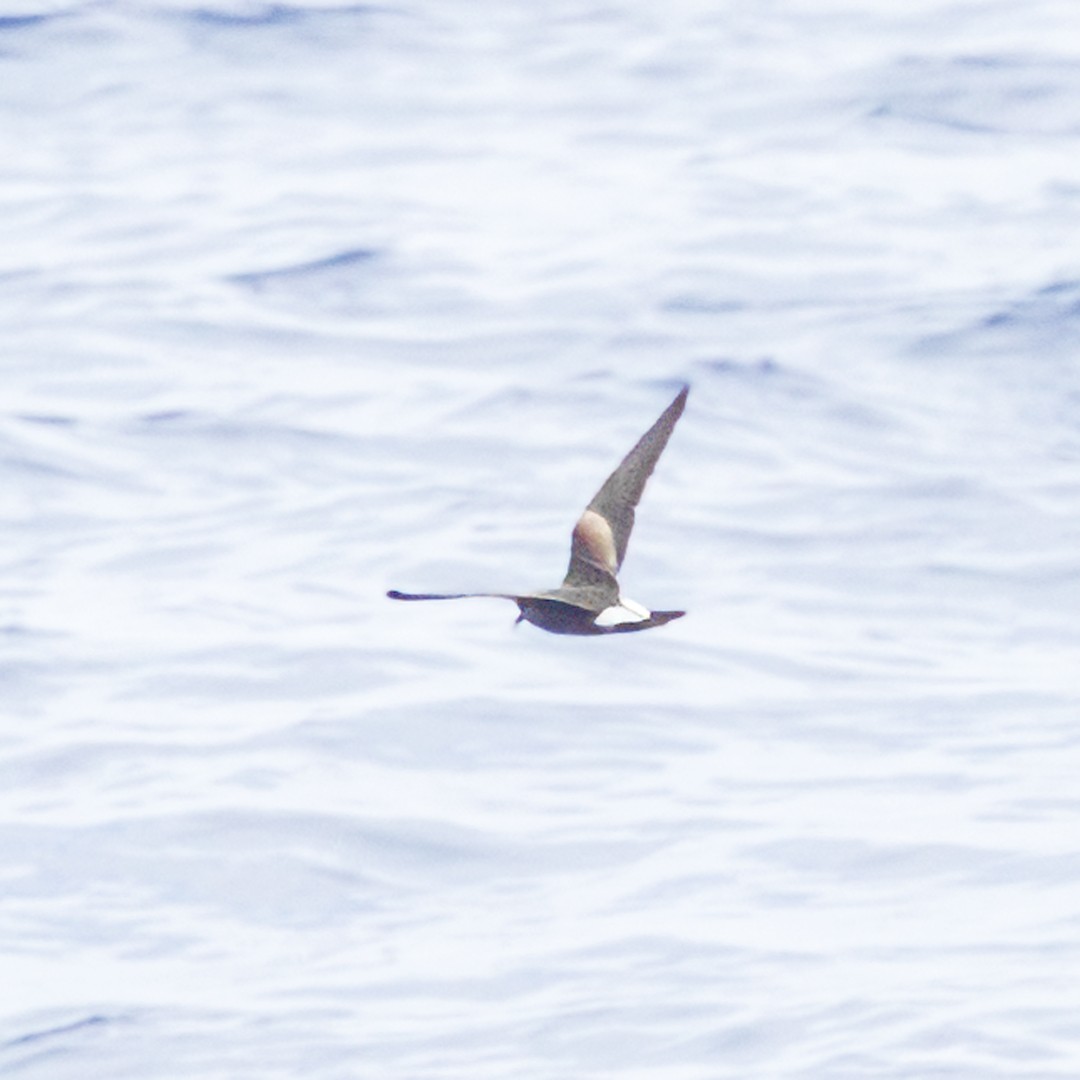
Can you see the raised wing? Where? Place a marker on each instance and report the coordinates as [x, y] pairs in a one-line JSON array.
[[603, 531]]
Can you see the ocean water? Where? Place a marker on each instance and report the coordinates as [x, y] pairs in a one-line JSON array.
[[301, 302]]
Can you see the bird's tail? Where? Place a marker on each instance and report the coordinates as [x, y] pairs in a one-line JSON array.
[[656, 618]]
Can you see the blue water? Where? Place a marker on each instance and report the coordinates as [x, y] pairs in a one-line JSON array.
[[302, 302]]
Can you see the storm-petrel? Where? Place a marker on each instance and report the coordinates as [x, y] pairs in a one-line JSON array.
[[588, 601]]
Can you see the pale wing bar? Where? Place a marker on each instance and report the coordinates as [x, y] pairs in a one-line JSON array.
[[603, 531]]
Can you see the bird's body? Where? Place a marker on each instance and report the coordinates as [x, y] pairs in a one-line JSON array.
[[589, 600]]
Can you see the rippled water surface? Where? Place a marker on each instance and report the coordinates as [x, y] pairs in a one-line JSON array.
[[303, 302]]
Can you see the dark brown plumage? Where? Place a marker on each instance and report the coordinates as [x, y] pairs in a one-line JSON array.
[[588, 601]]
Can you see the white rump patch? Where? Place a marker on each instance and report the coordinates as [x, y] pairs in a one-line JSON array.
[[625, 611]]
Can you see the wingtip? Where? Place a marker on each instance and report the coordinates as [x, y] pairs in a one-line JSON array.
[[678, 404]]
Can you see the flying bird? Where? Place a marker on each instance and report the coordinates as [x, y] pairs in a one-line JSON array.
[[589, 600]]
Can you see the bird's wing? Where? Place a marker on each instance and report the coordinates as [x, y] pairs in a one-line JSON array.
[[588, 586], [397, 594], [603, 531]]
